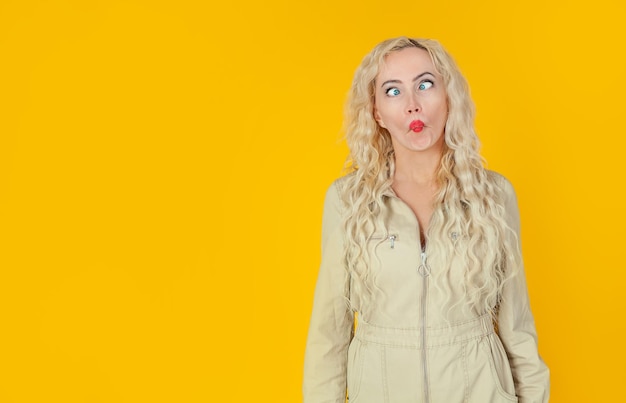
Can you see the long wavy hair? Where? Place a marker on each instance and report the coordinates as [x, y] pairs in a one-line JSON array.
[[469, 202]]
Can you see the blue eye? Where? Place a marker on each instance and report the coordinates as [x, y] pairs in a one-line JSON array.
[[424, 85], [393, 92]]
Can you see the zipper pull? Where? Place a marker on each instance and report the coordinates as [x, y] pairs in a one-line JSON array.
[[423, 268], [392, 240]]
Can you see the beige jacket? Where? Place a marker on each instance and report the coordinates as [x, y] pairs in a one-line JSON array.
[[408, 349]]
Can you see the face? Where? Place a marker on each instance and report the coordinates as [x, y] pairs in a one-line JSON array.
[[411, 101]]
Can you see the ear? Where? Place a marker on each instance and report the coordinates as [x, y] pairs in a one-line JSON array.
[[378, 118]]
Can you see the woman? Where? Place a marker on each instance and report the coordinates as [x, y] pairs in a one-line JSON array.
[[422, 243]]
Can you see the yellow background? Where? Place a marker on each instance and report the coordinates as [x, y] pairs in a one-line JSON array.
[[163, 167]]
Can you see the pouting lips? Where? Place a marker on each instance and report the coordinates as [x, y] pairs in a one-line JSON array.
[[416, 125]]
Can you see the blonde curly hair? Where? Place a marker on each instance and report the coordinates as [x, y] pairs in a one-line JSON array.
[[469, 199]]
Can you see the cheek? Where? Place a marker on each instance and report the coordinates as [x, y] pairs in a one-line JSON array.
[[442, 111], [382, 113], [391, 108]]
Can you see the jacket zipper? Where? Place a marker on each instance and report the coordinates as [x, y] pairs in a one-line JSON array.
[[424, 271], [392, 238]]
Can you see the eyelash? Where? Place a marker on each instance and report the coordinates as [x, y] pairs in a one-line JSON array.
[[388, 90], [424, 82]]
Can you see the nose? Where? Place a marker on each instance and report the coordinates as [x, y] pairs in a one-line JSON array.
[[413, 105]]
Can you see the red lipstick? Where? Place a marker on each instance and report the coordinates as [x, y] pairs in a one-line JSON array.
[[416, 126]]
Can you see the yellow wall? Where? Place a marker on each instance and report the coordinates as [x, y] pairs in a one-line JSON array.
[[163, 166]]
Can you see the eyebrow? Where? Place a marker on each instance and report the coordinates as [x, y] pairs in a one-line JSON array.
[[417, 77]]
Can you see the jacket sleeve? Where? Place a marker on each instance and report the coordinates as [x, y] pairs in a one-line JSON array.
[[330, 328], [516, 325]]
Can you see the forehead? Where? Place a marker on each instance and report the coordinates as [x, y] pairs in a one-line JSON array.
[[407, 61]]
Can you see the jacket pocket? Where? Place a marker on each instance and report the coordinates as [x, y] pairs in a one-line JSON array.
[[384, 239], [355, 369], [499, 366]]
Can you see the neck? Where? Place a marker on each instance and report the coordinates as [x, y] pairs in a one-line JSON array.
[[417, 167]]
